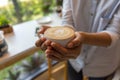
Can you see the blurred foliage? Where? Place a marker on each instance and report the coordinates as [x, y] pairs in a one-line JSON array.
[[59, 2], [35, 61], [29, 9], [16, 70], [3, 21], [13, 75]]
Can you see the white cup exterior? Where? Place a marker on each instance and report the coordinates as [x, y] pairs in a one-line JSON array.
[[62, 42]]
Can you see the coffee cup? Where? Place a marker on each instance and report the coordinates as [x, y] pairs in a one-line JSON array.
[[59, 34]]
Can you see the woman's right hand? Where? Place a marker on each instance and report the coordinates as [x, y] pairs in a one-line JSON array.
[[42, 42], [43, 29]]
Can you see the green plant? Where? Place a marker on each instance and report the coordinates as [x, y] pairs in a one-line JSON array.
[[3, 21], [35, 61], [29, 10], [13, 75]]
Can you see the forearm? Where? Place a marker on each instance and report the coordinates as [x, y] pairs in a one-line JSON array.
[[97, 39]]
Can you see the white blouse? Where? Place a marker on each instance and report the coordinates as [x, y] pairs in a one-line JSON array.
[[95, 16]]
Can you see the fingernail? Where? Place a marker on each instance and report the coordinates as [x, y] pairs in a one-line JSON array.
[[47, 51], [53, 44], [70, 45]]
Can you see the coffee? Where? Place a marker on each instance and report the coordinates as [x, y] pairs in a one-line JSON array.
[[59, 34]]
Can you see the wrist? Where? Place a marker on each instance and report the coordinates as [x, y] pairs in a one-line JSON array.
[[82, 38]]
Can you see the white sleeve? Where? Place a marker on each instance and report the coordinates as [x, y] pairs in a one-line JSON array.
[[113, 29], [67, 18], [114, 37]]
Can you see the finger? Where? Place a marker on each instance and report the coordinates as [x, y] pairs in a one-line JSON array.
[[49, 48], [47, 42], [49, 54], [66, 56], [39, 42], [59, 48], [43, 46], [54, 57], [53, 53], [76, 41], [40, 35], [43, 29], [74, 52], [47, 26]]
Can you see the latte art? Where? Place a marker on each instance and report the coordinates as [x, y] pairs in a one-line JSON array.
[[59, 34]]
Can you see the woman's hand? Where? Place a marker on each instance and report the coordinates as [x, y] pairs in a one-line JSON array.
[[57, 52], [41, 42], [43, 29]]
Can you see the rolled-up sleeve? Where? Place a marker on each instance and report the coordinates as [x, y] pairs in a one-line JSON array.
[[113, 28], [67, 18]]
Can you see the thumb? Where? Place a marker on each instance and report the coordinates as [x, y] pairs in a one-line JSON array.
[[43, 29], [76, 41]]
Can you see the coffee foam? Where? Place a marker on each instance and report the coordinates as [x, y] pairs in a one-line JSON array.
[[60, 34]]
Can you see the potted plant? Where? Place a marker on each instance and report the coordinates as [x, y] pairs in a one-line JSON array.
[[4, 24]]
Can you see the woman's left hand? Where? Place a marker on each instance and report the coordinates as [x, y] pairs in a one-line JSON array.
[[57, 52]]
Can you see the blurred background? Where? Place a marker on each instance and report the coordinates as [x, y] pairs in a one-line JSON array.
[[18, 11]]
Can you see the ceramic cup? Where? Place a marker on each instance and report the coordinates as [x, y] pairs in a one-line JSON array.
[[60, 34]]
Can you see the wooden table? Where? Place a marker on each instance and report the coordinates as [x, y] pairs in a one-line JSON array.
[[21, 43]]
